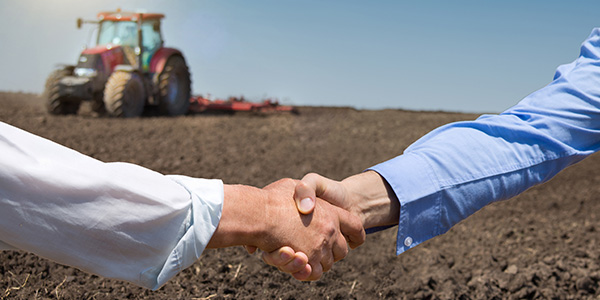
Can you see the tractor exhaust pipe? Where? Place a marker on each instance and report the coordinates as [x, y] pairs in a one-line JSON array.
[[140, 51]]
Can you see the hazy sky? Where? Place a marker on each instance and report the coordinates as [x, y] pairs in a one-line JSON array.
[[475, 56]]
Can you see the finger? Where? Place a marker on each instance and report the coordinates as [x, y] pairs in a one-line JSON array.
[[314, 185], [297, 264], [327, 261], [279, 257], [352, 228], [317, 271], [250, 249], [304, 273], [339, 248], [304, 195]]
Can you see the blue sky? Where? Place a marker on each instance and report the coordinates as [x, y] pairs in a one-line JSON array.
[[470, 56]]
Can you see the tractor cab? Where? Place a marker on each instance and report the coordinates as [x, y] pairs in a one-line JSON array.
[[132, 31], [127, 70]]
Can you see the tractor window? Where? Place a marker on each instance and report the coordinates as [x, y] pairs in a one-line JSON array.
[[151, 38], [119, 33]]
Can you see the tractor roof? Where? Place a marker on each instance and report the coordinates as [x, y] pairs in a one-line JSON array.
[[127, 16]]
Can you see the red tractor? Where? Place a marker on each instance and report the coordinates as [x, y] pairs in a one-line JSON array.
[[128, 70]]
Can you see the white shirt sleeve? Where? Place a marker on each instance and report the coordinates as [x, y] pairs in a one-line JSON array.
[[116, 220]]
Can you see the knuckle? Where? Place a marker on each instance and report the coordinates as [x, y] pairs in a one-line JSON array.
[[330, 229], [311, 176], [301, 185]]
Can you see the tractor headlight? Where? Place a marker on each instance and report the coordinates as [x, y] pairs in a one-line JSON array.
[[85, 72]]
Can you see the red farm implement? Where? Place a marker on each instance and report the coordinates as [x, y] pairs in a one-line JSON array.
[[233, 104]]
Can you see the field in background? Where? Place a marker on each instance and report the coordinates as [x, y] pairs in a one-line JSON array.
[[542, 244]]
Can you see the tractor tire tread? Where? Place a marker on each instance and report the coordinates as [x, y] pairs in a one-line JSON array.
[[123, 95], [175, 69], [55, 104]]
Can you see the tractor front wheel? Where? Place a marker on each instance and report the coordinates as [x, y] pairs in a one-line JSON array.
[[124, 95], [55, 103], [174, 84]]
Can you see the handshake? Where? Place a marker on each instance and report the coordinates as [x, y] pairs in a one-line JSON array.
[[305, 226]]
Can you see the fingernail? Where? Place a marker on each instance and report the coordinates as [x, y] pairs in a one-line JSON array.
[[286, 256], [306, 204], [298, 262]]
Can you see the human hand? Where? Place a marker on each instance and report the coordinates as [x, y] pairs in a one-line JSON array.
[[366, 195], [267, 219], [287, 260], [306, 192], [314, 185]]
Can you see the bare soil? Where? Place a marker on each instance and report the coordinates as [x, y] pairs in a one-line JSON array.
[[540, 245]]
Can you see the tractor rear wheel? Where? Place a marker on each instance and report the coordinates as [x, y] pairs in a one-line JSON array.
[[174, 84], [124, 95], [55, 103]]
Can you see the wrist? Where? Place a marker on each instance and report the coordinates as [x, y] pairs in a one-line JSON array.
[[373, 200], [242, 219]]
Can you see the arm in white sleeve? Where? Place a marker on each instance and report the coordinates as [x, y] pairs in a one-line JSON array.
[[116, 220], [457, 169]]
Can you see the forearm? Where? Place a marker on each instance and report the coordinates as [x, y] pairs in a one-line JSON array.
[[459, 168], [376, 202], [112, 219], [243, 217]]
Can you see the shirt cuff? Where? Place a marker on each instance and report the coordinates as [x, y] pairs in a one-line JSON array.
[[414, 184], [207, 204]]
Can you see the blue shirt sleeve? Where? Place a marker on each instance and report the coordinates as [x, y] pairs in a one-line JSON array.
[[458, 168]]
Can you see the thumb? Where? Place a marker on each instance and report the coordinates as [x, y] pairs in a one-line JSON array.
[[308, 189], [305, 196], [314, 185]]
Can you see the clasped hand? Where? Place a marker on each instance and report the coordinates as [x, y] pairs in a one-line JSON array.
[[306, 236], [365, 196], [269, 220]]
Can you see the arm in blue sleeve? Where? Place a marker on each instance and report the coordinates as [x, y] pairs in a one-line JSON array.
[[458, 168]]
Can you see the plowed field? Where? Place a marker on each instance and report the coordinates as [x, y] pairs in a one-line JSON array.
[[540, 245]]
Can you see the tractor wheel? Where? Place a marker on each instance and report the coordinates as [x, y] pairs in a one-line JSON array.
[[56, 104], [174, 84], [124, 95]]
